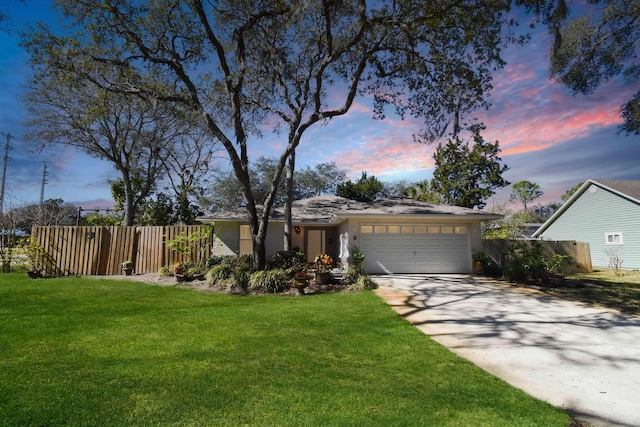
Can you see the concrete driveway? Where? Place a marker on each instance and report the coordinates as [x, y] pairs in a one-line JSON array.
[[583, 359]]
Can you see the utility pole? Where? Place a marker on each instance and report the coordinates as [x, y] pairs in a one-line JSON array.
[[6, 267], [44, 180], [5, 159]]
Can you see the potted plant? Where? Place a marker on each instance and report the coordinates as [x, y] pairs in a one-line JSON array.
[[300, 281], [480, 260], [178, 271], [323, 264], [358, 256], [127, 267]]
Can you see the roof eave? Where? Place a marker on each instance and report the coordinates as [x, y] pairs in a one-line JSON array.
[[481, 217]]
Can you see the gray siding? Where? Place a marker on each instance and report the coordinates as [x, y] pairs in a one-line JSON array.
[[591, 216]]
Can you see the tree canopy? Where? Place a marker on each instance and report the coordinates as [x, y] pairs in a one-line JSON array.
[[250, 65], [597, 45], [468, 174], [525, 192], [567, 195], [366, 189], [225, 191], [422, 191]]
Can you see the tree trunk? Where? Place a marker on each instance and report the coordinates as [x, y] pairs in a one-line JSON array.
[[259, 251], [129, 209], [288, 220]]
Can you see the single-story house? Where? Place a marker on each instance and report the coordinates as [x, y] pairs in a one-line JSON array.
[[605, 214], [396, 235]]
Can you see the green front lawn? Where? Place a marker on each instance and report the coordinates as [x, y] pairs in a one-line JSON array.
[[602, 287], [77, 351]]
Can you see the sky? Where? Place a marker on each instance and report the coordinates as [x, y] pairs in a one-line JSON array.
[[547, 135]]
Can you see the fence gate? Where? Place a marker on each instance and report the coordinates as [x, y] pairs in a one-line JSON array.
[[101, 250]]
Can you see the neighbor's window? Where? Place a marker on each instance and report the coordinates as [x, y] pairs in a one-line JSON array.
[[613, 239], [246, 247]]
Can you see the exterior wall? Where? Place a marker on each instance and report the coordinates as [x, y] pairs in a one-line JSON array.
[[228, 235], [275, 238], [297, 239], [591, 216], [475, 237], [227, 240]]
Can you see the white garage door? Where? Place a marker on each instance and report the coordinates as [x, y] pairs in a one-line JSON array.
[[408, 248]]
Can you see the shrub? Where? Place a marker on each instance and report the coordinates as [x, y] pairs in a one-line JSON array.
[[214, 260], [356, 279], [271, 281], [615, 261], [530, 263], [286, 260], [526, 263], [165, 271], [230, 273], [221, 274], [245, 260], [556, 263], [364, 283]]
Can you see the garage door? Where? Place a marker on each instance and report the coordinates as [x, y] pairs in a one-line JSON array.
[[407, 248]]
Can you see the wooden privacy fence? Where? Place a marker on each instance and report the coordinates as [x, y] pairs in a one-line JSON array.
[[101, 250], [497, 249]]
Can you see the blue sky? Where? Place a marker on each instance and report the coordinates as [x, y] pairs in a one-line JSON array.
[[547, 135]]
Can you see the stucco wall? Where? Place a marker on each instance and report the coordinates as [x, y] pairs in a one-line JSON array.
[[227, 238]]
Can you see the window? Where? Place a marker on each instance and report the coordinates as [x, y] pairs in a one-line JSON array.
[[380, 229], [613, 238], [421, 229], [366, 229], [246, 247], [407, 229], [393, 229]]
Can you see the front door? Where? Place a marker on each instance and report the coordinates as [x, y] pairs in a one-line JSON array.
[[316, 243]]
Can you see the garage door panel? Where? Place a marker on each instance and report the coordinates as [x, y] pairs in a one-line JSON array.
[[416, 252]]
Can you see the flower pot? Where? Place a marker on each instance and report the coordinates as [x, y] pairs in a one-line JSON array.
[[323, 278], [128, 271], [180, 278], [300, 282], [34, 274], [477, 267]]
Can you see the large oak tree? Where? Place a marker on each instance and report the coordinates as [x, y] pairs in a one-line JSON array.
[[247, 65], [597, 45]]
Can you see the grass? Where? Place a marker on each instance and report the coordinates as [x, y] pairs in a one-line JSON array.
[[83, 352], [602, 287]]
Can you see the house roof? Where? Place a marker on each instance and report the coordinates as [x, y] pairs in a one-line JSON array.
[[626, 189], [334, 209]]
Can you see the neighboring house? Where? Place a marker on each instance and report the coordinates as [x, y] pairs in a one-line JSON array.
[[605, 214], [396, 235]]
